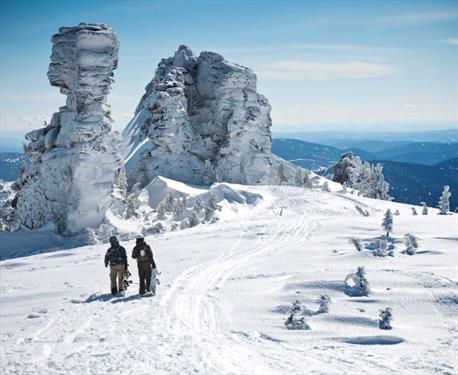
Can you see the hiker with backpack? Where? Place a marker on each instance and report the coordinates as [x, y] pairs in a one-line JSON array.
[[117, 259], [145, 261]]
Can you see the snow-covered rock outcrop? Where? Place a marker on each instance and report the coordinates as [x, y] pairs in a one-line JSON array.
[[76, 173], [201, 120]]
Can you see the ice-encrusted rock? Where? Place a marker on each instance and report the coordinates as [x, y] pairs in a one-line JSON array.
[[76, 173], [201, 120]]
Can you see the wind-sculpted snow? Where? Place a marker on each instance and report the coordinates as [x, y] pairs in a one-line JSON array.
[[201, 120], [76, 173]]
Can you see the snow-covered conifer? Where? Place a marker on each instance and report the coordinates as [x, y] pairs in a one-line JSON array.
[[324, 300], [282, 180], [299, 179], [411, 244], [385, 318], [325, 187], [444, 201], [387, 223], [356, 284], [198, 206], [211, 207], [161, 211], [193, 220], [179, 209], [397, 213], [424, 211], [414, 211]]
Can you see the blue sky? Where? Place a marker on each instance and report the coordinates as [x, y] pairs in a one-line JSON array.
[[324, 65]]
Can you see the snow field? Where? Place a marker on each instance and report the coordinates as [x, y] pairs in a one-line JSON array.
[[226, 290]]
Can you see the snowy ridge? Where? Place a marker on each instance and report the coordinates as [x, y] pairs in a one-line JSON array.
[[226, 289]]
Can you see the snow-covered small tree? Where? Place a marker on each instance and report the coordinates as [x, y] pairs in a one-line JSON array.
[[179, 209], [325, 187], [169, 202], [324, 300], [198, 206], [414, 211], [385, 318], [299, 179], [296, 307], [282, 180], [211, 207], [387, 223], [161, 210], [293, 322], [356, 243], [411, 244], [193, 220], [397, 213], [424, 211], [356, 284], [444, 201], [184, 224]]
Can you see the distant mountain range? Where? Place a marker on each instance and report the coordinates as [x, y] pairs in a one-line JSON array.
[[411, 182], [313, 155], [10, 163]]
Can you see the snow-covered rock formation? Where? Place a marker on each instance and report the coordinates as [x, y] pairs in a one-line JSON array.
[[76, 173], [201, 120]]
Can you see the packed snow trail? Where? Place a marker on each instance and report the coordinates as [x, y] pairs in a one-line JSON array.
[[225, 292]]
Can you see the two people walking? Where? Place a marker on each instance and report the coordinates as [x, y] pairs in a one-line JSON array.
[[117, 259]]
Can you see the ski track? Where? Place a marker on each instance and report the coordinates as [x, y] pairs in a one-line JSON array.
[[186, 329]]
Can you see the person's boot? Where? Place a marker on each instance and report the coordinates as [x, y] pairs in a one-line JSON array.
[[114, 291]]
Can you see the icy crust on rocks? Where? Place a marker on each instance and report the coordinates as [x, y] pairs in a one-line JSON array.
[[76, 173], [201, 120]]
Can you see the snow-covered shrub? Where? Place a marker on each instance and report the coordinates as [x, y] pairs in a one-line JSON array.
[[324, 300], [198, 206], [184, 224], [385, 318], [397, 213], [411, 244], [387, 223], [356, 243], [325, 187], [444, 201], [294, 323], [414, 211], [424, 211], [299, 179], [356, 284], [381, 248], [193, 220]]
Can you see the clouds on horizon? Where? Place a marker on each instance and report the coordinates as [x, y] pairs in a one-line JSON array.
[[296, 70]]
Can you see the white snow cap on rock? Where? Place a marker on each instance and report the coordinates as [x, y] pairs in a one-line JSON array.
[[200, 121], [76, 173]]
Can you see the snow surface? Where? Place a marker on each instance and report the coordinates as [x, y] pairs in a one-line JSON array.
[[227, 289]]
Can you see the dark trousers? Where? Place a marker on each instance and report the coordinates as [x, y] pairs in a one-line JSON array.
[[144, 273]]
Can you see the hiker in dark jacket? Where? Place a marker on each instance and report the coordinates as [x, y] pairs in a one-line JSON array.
[[116, 257], [142, 252]]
